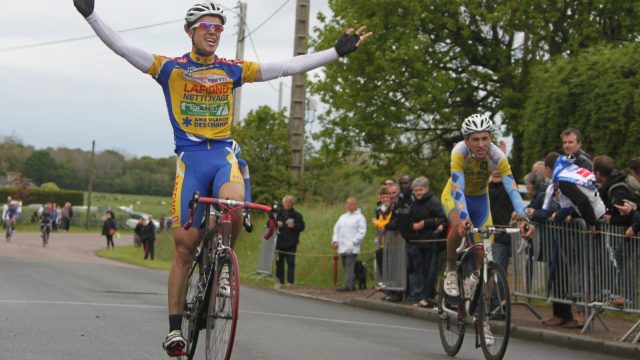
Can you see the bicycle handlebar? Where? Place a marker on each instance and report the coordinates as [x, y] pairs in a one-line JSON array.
[[229, 204], [492, 230]]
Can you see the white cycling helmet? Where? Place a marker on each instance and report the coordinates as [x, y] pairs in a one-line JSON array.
[[235, 148], [201, 9], [476, 123]]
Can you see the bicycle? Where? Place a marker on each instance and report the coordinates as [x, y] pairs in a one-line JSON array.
[[10, 227], [45, 232], [487, 306], [207, 306]]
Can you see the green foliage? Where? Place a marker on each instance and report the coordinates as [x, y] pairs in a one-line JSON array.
[[70, 168], [597, 92], [40, 167], [263, 139], [431, 63], [50, 186], [41, 196]]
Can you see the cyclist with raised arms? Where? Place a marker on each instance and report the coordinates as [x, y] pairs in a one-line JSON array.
[[198, 90], [465, 197]]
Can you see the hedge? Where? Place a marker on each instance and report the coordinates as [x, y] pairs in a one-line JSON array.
[[40, 196]]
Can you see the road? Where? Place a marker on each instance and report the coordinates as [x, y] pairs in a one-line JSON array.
[[73, 308]]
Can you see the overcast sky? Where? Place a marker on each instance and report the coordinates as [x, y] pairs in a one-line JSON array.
[[71, 93]]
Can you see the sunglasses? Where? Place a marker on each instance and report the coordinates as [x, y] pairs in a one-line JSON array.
[[206, 26]]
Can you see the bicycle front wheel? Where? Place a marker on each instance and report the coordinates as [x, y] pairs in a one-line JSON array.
[[450, 322], [192, 310], [222, 315], [495, 313]]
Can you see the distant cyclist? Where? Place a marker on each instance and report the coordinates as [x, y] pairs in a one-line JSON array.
[[465, 197], [198, 89], [45, 220], [10, 212]]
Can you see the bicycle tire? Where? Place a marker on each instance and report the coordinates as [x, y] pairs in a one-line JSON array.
[[222, 313], [496, 312], [192, 309], [45, 238], [451, 328], [9, 232]]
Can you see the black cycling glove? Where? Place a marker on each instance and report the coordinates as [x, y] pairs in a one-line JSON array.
[[346, 44], [85, 7]]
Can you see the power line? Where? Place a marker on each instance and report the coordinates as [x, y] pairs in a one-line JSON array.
[[267, 19], [55, 42]]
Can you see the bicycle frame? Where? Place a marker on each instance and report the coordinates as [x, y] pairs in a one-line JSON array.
[[215, 252]]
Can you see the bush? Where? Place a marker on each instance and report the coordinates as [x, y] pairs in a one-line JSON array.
[[41, 196]]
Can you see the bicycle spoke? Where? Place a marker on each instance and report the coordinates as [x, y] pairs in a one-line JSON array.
[[495, 314]]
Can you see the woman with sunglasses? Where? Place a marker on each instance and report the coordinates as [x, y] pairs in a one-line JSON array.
[[198, 89]]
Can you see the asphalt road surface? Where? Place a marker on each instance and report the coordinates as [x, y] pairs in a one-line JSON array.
[[79, 307]]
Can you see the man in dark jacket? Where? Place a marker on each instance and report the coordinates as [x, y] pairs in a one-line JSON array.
[[426, 221], [572, 145], [149, 237], [614, 191], [290, 224], [501, 211]]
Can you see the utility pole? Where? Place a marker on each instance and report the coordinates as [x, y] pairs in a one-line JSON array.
[[280, 96], [237, 93], [298, 91], [91, 165]]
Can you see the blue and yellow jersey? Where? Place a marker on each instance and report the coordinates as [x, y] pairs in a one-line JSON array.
[[470, 177], [199, 95]]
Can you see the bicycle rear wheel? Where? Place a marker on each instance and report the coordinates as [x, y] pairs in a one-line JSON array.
[[222, 315], [451, 326], [495, 312]]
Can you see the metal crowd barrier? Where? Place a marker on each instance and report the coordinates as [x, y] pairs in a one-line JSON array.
[[267, 254], [564, 263], [394, 260]]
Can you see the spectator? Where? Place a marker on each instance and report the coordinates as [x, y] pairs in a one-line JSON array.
[[162, 222], [572, 145], [615, 191], [538, 167], [109, 229], [148, 236], [54, 217], [501, 213], [290, 224], [137, 233], [394, 192], [66, 216], [536, 186], [381, 219], [389, 182], [577, 196], [630, 207], [348, 233], [400, 220], [427, 221]]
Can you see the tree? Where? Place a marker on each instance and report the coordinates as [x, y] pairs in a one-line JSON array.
[[40, 167], [597, 92], [431, 63], [263, 139]]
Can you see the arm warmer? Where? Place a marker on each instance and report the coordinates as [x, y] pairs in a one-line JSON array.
[[297, 65], [137, 57], [516, 199]]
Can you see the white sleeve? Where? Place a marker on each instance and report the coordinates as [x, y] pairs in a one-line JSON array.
[[297, 64], [137, 57]]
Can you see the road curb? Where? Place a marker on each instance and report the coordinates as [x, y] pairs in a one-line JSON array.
[[583, 343]]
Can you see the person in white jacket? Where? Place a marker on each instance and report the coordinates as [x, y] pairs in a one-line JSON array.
[[348, 233]]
